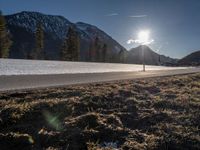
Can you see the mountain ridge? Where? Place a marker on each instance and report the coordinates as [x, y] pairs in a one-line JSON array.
[[150, 56], [22, 26], [191, 59], [55, 28]]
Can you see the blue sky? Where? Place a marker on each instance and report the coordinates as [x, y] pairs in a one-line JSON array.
[[174, 25]]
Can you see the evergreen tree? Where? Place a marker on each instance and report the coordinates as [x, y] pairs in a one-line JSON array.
[[159, 60], [71, 46], [5, 41], [65, 55], [91, 52], [39, 42], [97, 49], [104, 53], [122, 56]]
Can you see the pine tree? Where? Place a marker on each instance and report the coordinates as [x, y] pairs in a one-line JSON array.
[[121, 56], [39, 42], [159, 60], [76, 53], [104, 53], [5, 41], [97, 49], [65, 55], [91, 52], [71, 46]]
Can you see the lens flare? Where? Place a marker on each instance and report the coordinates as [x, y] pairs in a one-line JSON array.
[[143, 37], [52, 120]]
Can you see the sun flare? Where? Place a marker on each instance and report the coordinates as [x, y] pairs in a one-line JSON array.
[[143, 36]]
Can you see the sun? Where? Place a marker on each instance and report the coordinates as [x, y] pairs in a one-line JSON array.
[[143, 37]]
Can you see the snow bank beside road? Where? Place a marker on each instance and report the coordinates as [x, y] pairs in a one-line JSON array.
[[27, 67]]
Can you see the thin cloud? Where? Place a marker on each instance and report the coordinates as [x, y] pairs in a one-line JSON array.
[[138, 16], [131, 41], [112, 14]]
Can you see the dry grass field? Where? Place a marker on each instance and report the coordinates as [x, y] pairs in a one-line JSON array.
[[154, 114]]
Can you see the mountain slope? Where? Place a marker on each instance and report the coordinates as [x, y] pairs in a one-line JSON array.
[[150, 57], [56, 25], [191, 59], [23, 25]]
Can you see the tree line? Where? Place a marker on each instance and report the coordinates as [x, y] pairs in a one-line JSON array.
[[70, 47], [5, 41]]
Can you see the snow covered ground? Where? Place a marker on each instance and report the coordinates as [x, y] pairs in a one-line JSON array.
[[26, 67]]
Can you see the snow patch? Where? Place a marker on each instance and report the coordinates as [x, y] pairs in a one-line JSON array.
[[28, 67]]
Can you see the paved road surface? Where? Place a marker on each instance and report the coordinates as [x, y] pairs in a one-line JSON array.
[[17, 82]]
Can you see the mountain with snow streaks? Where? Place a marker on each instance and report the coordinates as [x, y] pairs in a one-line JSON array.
[[56, 25], [23, 25]]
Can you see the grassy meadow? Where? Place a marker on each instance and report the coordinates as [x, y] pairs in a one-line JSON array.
[[153, 113]]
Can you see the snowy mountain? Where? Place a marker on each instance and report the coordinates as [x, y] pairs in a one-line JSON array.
[[23, 25], [56, 25]]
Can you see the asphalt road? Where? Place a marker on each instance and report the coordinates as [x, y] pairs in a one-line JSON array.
[[18, 82]]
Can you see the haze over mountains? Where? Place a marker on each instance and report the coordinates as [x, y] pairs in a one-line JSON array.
[[23, 25]]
